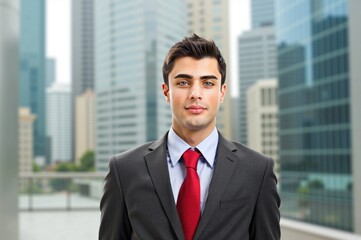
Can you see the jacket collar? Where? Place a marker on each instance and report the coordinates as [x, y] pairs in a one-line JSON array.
[[226, 161], [158, 171]]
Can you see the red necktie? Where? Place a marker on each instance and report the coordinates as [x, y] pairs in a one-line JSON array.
[[188, 203]]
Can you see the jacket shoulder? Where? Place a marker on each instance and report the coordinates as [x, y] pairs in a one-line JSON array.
[[133, 153], [249, 151], [140, 151], [242, 150]]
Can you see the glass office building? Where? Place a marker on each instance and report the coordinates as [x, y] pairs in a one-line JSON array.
[[262, 13], [316, 138], [82, 54], [32, 67], [132, 39]]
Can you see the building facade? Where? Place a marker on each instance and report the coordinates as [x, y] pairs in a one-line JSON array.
[[262, 13], [84, 124], [32, 67], [257, 59], [132, 39], [58, 122], [262, 114], [50, 71], [82, 50], [209, 19], [26, 141], [319, 57]]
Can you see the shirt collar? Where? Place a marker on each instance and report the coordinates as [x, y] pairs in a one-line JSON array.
[[177, 146]]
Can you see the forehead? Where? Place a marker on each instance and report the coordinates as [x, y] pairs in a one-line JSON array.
[[189, 65]]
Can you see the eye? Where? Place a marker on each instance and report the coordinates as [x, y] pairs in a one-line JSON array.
[[182, 83], [208, 83]]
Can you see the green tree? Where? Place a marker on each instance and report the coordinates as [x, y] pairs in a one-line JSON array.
[[66, 167], [87, 161], [36, 167]]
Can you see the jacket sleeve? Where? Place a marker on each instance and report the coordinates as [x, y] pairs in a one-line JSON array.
[[265, 223], [114, 223]]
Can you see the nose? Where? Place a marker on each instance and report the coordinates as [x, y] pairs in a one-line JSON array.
[[195, 92]]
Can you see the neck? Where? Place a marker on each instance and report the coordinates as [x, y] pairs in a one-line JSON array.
[[193, 137]]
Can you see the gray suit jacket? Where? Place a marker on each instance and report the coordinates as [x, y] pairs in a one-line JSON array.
[[138, 202]]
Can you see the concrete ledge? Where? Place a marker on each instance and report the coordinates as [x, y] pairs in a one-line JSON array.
[[295, 230]]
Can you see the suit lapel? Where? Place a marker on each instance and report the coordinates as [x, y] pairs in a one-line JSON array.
[[226, 162], [158, 170]]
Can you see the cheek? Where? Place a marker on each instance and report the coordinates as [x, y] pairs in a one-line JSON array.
[[215, 98], [175, 97]]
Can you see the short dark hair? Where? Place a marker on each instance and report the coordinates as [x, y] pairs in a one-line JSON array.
[[195, 47]]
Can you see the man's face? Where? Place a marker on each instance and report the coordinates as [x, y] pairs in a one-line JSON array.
[[194, 92]]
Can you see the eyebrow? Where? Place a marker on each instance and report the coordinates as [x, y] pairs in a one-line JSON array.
[[187, 76]]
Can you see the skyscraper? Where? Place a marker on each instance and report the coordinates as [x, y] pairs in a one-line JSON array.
[[32, 67], [318, 57], [262, 114], [84, 124], [82, 55], [257, 60], [50, 71], [209, 19], [58, 121], [262, 13], [82, 46], [132, 39]]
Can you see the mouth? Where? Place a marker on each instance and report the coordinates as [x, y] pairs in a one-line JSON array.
[[195, 109]]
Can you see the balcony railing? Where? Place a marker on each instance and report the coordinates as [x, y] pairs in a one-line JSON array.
[[60, 191], [297, 230], [82, 191]]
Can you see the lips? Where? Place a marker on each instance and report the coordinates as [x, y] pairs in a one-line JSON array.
[[196, 109]]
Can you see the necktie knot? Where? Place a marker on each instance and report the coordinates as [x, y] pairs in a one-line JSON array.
[[190, 158]]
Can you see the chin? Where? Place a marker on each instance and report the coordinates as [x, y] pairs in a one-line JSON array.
[[197, 126]]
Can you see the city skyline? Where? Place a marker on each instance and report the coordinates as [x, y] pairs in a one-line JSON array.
[[320, 130], [58, 36]]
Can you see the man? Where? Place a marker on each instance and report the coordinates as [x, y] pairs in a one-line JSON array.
[[159, 190]]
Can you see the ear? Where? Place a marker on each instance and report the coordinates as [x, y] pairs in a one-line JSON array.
[[165, 91], [223, 92]]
